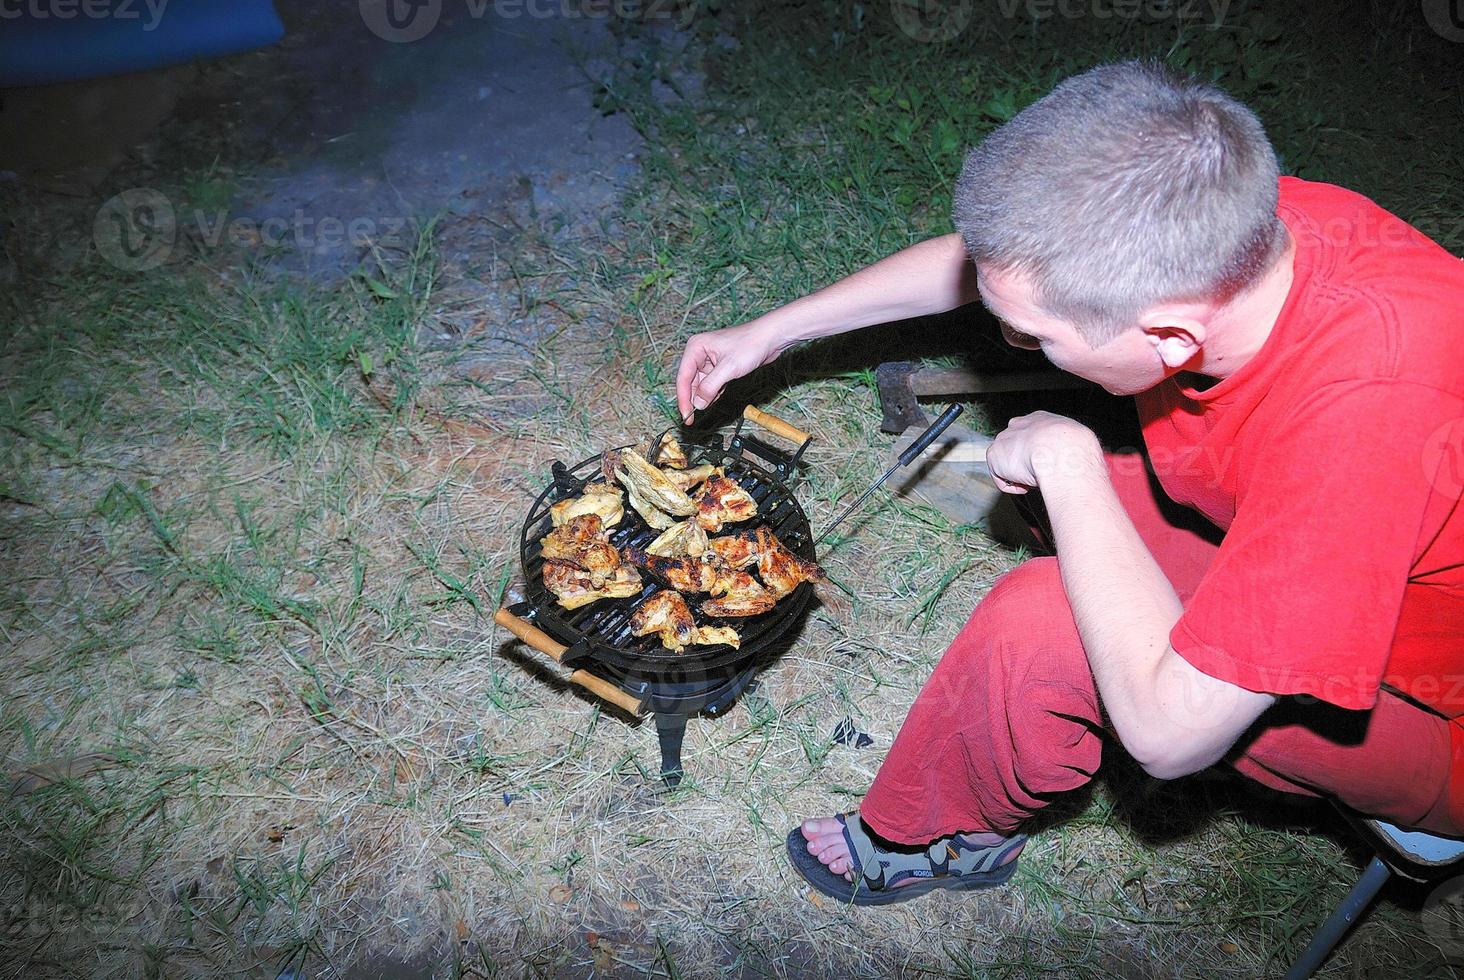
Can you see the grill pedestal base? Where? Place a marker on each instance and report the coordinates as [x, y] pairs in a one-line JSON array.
[[670, 730], [673, 702]]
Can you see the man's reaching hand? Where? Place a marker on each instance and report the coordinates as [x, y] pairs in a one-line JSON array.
[[713, 359]]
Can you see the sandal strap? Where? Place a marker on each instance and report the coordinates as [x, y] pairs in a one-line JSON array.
[[864, 852], [878, 868], [979, 860]]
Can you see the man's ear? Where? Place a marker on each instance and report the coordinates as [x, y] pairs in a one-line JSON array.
[[1176, 335]]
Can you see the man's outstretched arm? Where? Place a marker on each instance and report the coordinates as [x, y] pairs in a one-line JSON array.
[[928, 277]]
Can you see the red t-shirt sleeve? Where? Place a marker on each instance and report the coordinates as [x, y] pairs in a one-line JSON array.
[[1304, 594]]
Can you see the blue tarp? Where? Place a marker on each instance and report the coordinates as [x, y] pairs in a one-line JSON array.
[[44, 41]]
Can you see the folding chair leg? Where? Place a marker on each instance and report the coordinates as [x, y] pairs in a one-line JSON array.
[[1341, 920]]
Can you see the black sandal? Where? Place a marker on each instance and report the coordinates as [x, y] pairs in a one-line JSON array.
[[947, 863]]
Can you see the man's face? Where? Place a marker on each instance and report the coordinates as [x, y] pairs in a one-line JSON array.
[[1126, 365]]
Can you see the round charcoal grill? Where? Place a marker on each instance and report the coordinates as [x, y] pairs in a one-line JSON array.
[[601, 633], [636, 672]]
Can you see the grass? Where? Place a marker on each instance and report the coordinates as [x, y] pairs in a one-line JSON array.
[[257, 716]]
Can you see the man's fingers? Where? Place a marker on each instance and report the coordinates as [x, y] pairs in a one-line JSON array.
[[708, 389], [695, 362]]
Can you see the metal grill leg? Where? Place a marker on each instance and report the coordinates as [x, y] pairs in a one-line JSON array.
[[670, 730], [1341, 920]]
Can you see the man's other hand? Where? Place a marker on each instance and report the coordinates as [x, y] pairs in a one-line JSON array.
[[1042, 446]]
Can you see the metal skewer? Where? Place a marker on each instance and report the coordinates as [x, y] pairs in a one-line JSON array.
[[906, 458]]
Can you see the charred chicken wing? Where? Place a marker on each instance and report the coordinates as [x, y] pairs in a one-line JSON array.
[[684, 573], [666, 614], [737, 550], [574, 586], [738, 594], [722, 501], [782, 571]]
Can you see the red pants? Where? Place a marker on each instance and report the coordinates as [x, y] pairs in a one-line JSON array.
[[1011, 717]]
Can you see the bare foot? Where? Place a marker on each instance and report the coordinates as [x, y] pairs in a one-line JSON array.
[[825, 837]]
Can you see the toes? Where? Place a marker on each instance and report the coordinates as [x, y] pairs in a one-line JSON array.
[[824, 842], [821, 827], [828, 852]]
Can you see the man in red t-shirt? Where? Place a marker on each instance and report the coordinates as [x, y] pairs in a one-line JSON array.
[[1292, 349]]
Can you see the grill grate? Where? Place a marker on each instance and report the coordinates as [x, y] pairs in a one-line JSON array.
[[602, 631]]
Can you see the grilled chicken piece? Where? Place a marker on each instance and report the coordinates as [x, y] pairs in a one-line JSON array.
[[683, 573], [575, 588], [709, 635], [682, 539], [651, 493], [672, 455], [581, 541], [738, 594], [737, 550], [689, 480], [654, 516], [722, 501], [653, 485], [688, 574], [600, 499], [572, 537], [782, 571], [667, 614]]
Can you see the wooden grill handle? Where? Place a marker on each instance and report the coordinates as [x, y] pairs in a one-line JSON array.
[[553, 649], [775, 425]]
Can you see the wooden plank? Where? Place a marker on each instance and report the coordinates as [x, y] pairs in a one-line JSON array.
[[960, 381], [951, 474]]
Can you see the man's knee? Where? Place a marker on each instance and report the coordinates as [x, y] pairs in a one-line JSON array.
[[1024, 617]]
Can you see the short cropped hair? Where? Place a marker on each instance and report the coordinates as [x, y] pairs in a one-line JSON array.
[[1124, 187]]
